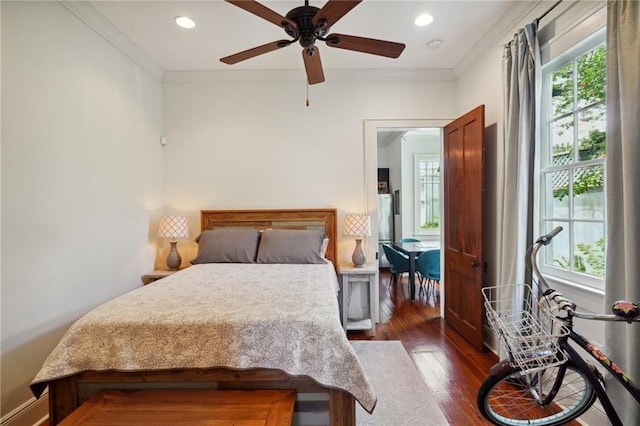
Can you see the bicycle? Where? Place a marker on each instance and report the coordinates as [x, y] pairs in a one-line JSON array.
[[544, 380]]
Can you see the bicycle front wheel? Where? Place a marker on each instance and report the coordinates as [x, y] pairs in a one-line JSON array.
[[513, 398]]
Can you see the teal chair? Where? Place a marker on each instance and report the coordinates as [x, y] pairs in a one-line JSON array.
[[398, 261], [409, 240], [428, 268]]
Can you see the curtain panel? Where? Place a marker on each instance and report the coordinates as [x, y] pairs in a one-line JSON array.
[[622, 279], [520, 66]]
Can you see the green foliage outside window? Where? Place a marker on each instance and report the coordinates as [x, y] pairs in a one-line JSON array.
[[578, 108], [434, 224], [591, 84], [591, 255], [590, 179]]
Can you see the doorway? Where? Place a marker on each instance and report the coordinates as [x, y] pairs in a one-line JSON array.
[[410, 158], [403, 182]]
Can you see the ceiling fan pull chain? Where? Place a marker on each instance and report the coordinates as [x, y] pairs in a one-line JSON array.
[[307, 94]]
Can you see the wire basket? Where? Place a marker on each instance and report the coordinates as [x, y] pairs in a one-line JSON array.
[[528, 330]]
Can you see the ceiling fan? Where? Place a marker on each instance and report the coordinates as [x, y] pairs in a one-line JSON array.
[[307, 24]]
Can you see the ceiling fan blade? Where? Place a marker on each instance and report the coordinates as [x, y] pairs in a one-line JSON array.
[[250, 53], [263, 12], [333, 11], [389, 49], [313, 65]]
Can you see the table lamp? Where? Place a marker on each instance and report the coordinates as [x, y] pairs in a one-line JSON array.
[[173, 227], [359, 226]]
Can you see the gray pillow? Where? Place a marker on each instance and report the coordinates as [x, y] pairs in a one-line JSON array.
[[227, 245], [291, 246]]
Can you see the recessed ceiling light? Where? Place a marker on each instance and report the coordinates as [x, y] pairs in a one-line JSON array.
[[435, 44], [423, 20], [184, 21]]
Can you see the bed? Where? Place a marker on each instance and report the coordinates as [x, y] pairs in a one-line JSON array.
[[261, 324]]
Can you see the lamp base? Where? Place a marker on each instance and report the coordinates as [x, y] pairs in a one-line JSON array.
[[358, 258], [173, 259]]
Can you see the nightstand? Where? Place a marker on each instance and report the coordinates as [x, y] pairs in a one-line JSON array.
[[368, 276], [155, 276]]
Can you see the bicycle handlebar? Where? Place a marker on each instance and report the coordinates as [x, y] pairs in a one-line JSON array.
[[546, 239], [562, 302], [630, 312]]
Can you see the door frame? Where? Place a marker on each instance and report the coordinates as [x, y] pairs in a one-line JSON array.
[[370, 182]]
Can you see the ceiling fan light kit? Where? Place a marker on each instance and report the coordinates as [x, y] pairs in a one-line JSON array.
[[308, 24]]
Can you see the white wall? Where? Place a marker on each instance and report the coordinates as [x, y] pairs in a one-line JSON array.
[[82, 180], [256, 144], [394, 156]]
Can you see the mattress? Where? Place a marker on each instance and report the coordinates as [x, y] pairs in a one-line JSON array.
[[238, 316]]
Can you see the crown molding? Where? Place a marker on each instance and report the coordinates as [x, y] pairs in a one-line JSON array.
[[501, 29], [97, 22], [207, 76]]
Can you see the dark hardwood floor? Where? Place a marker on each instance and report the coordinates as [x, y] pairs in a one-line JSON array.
[[453, 369]]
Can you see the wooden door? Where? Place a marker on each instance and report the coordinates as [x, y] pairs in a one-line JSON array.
[[463, 209]]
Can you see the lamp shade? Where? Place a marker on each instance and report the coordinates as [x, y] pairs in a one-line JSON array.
[[357, 225], [173, 227]]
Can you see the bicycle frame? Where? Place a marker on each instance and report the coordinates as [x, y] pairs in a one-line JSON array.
[[586, 345], [546, 380], [605, 362]]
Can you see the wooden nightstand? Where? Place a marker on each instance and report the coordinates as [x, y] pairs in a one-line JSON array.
[[155, 276], [367, 275]]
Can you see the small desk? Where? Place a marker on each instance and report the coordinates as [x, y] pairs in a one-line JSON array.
[[413, 250]]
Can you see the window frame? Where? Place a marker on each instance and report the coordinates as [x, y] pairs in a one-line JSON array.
[[590, 43], [417, 225]]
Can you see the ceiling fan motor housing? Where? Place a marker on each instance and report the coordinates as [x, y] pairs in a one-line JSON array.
[[306, 32]]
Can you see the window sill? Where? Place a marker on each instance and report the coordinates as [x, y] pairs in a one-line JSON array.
[[587, 298], [572, 284]]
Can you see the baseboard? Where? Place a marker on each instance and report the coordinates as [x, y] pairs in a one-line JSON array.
[[31, 413]]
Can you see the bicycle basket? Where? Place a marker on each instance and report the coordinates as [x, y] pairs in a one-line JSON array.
[[528, 330]]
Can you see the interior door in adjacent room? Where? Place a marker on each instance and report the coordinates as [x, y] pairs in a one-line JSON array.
[[463, 210]]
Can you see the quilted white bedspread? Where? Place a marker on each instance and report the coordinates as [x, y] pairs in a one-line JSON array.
[[240, 316]]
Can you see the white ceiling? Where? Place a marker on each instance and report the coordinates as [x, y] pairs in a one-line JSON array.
[[224, 29]]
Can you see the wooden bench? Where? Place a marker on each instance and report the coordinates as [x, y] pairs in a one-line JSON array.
[[186, 407]]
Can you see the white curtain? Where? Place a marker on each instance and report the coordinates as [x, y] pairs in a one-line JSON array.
[[623, 192], [515, 186]]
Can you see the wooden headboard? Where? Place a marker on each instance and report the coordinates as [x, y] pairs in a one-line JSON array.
[[324, 219]]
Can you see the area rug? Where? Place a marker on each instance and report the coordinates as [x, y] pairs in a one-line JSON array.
[[403, 397]]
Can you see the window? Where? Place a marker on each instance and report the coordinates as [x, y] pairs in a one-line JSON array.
[[427, 167], [572, 161]]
